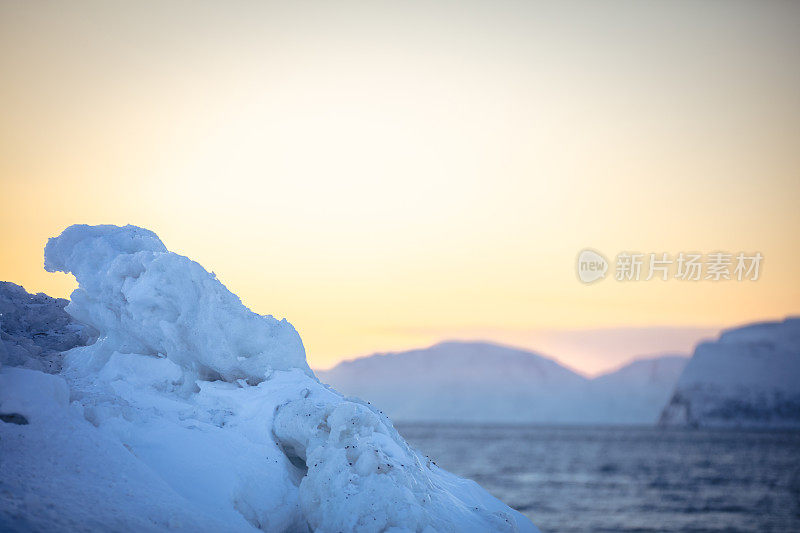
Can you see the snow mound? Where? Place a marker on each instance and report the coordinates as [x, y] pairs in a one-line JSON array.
[[356, 462], [191, 412], [143, 299]]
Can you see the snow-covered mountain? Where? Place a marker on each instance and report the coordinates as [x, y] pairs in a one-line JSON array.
[[184, 410], [749, 377], [467, 381], [486, 382], [635, 393]]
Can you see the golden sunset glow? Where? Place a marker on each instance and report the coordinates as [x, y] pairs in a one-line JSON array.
[[387, 175]]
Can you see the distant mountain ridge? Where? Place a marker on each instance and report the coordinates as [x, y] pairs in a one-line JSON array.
[[487, 382], [459, 361]]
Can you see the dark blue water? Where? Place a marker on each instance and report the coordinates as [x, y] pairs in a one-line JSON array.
[[627, 479]]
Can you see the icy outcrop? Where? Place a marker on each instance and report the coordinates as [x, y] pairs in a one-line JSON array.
[[143, 299], [196, 412], [35, 329], [749, 377]]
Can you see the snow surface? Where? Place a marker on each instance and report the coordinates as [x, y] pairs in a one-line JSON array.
[[749, 377], [485, 382], [192, 413], [60, 473]]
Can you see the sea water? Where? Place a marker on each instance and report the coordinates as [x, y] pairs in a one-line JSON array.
[[616, 479]]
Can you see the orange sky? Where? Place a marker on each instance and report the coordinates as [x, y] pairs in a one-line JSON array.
[[388, 175]]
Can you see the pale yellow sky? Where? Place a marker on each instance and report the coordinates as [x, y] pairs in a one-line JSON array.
[[386, 175]]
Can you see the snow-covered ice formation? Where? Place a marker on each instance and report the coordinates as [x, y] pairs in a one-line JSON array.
[[143, 299], [190, 412], [749, 377]]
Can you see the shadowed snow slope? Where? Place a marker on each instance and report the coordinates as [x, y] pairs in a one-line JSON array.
[[485, 382], [193, 413], [749, 377], [35, 329]]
